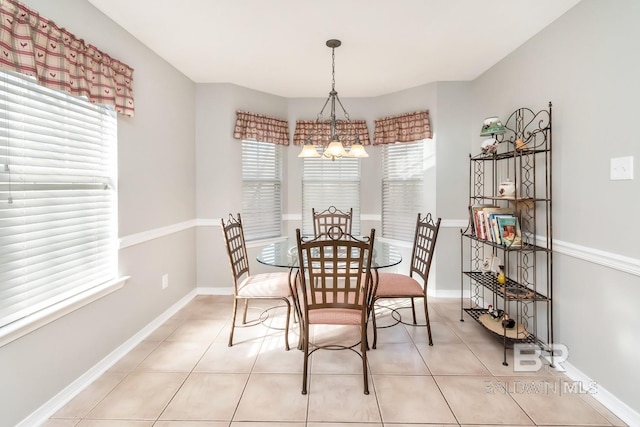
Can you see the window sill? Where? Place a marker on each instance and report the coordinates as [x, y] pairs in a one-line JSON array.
[[37, 320]]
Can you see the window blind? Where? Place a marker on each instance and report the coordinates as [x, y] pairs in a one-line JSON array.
[[330, 183], [58, 201], [261, 190], [402, 188]]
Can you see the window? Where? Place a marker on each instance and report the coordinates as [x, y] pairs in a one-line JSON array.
[[58, 198], [330, 183], [402, 188], [261, 189]]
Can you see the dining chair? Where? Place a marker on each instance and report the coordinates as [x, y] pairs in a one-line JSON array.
[[247, 286], [395, 285], [332, 221], [333, 286]]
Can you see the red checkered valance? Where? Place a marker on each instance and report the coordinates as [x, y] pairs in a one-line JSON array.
[[33, 45], [319, 132], [261, 128], [407, 127]]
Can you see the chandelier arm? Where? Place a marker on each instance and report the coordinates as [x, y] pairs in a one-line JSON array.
[[334, 133], [344, 110], [319, 116]]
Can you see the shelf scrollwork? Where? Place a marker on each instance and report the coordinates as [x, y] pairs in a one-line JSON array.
[[527, 129]]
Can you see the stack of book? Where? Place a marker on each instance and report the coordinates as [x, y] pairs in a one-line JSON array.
[[496, 224]]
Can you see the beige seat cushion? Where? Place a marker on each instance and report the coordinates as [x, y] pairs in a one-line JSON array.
[[398, 285], [263, 285]]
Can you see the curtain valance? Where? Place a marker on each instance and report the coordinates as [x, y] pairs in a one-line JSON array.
[[407, 127], [261, 128], [35, 46], [322, 130]]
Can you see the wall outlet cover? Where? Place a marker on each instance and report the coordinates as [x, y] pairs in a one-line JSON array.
[[621, 168]]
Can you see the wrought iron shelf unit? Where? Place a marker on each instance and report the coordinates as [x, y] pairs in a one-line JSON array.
[[476, 313], [510, 289], [523, 156], [507, 154], [526, 246]]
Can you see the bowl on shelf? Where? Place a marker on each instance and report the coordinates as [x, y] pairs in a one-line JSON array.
[[507, 188], [489, 146]]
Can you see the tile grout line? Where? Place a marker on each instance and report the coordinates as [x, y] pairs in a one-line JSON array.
[[186, 378]]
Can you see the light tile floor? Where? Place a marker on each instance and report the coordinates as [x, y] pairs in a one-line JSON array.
[[184, 374]]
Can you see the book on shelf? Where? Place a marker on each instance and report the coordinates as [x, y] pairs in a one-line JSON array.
[[496, 226], [510, 233], [477, 219], [484, 223], [490, 216]]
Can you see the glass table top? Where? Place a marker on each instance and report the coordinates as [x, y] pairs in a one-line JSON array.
[[285, 254]]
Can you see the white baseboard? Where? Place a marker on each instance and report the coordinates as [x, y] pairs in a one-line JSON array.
[[43, 413], [608, 400]]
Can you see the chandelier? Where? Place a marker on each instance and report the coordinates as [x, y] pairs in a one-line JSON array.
[[334, 147]]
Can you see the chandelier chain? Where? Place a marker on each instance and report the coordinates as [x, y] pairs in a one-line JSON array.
[[333, 68]]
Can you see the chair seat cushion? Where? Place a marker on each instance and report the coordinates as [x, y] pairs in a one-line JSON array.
[[335, 316], [398, 285], [265, 285]]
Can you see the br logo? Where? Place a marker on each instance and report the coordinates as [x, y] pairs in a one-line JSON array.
[[530, 357]]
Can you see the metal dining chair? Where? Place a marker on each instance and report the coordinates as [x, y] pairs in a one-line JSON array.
[[394, 285], [333, 287], [247, 286], [332, 221]]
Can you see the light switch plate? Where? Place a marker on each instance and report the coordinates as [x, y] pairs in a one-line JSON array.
[[621, 168]]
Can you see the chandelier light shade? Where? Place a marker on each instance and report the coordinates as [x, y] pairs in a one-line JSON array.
[[309, 150], [336, 145], [492, 126], [357, 150]]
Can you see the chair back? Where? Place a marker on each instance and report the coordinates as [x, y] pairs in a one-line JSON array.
[[236, 248], [332, 221], [424, 244], [335, 272]]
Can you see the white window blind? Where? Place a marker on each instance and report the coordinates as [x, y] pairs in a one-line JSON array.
[[58, 200], [330, 183], [402, 188], [261, 190]]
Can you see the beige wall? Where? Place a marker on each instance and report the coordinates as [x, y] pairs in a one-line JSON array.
[[156, 153], [587, 65], [180, 164], [219, 175]]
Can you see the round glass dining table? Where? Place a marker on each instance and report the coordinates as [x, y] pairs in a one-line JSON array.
[[285, 254]]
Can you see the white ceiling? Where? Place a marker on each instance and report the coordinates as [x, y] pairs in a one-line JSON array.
[[278, 46]]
